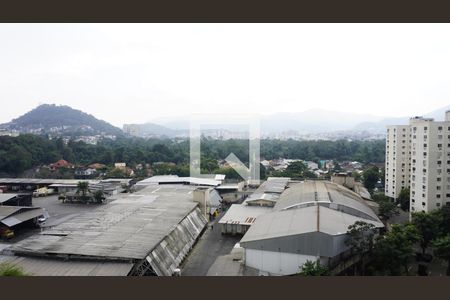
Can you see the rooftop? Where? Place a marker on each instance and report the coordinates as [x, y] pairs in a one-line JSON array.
[[312, 206], [125, 229], [172, 179], [51, 267]]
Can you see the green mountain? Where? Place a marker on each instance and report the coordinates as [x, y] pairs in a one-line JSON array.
[[60, 119]]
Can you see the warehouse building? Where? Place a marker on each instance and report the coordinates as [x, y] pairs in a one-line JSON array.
[[31, 184], [240, 217], [144, 233], [308, 221], [175, 179]]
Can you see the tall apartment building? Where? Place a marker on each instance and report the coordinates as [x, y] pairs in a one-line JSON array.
[[398, 159], [424, 166]]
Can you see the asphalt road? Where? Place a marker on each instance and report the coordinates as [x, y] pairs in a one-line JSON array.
[[211, 245]]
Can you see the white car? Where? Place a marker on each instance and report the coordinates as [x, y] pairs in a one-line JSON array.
[[41, 219]]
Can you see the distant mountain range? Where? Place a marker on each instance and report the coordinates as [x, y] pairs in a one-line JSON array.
[[60, 120], [49, 118], [380, 126], [314, 121]]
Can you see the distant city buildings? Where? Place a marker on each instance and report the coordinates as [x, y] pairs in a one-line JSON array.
[[418, 157]]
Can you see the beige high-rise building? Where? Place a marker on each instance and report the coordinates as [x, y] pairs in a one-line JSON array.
[[398, 155], [424, 166]]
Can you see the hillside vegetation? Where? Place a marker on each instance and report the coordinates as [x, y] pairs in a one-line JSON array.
[[49, 116]]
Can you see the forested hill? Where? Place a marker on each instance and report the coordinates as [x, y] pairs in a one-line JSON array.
[[50, 117]]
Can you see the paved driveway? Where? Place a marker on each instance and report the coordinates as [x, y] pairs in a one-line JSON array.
[[211, 245]]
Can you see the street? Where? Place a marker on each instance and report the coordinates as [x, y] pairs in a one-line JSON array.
[[211, 245]]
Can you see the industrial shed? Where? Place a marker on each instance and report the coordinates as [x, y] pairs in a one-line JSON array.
[[175, 179], [11, 216], [309, 221], [15, 199], [153, 230], [240, 217]]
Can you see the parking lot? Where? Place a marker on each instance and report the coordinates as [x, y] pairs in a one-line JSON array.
[[60, 212]]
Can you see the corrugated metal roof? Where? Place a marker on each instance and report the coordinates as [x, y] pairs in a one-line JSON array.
[[24, 214], [243, 214], [312, 206], [6, 197], [323, 191], [165, 179], [274, 185], [300, 221], [129, 227], [42, 181], [54, 267], [8, 210]]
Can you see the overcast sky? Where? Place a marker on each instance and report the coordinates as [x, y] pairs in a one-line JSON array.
[[127, 73]]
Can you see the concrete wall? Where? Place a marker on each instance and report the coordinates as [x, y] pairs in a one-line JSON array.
[[228, 228], [276, 263], [311, 243]]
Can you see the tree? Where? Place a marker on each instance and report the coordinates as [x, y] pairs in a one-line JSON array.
[[428, 227], [387, 209], [297, 169], [403, 199], [441, 248], [357, 176], [83, 187], [360, 239], [7, 269], [445, 219], [116, 173], [371, 176], [310, 268], [337, 167], [394, 251], [99, 196]]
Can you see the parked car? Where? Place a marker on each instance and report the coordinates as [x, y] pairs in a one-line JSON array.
[[6, 233]]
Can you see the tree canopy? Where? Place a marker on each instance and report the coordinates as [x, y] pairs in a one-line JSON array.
[[27, 151]]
